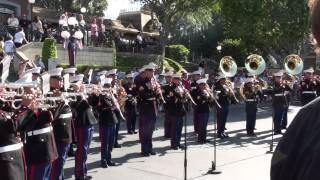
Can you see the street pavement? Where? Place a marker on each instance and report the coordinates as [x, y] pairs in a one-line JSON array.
[[238, 157]]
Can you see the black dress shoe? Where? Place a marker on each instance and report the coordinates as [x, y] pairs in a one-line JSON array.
[[277, 132], [80, 178], [117, 146], [251, 134], [152, 153], [135, 132], [104, 164], [181, 146], [283, 127], [225, 135], [71, 153], [130, 132], [88, 177], [144, 154], [220, 136], [112, 163]]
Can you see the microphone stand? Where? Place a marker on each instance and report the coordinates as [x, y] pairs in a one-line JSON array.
[[213, 169], [272, 134], [185, 148]]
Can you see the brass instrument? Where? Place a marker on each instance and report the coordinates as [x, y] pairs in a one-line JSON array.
[[293, 64], [157, 87], [115, 102], [255, 64], [228, 66], [182, 90]]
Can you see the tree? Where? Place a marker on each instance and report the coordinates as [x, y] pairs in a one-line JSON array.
[[267, 27], [94, 7], [171, 13]]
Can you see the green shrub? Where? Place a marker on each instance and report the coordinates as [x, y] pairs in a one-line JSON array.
[[49, 50], [177, 52], [171, 64], [114, 54]]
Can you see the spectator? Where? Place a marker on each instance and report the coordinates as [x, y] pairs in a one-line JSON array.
[[63, 21], [19, 37], [38, 29], [9, 47], [82, 26], [139, 41], [39, 63], [94, 32], [13, 21], [102, 31]]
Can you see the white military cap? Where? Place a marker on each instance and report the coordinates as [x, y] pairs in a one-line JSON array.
[[169, 73], [200, 81], [196, 72], [107, 80], [309, 70], [102, 72], [141, 69], [24, 81], [221, 76], [278, 74], [112, 72], [32, 71], [70, 70], [76, 78], [149, 66], [249, 80], [55, 72], [177, 76], [130, 75]]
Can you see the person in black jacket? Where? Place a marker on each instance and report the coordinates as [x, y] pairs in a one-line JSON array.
[[176, 110], [203, 98], [195, 77], [131, 104], [62, 128], [165, 89], [224, 96], [308, 87], [84, 121], [107, 124]]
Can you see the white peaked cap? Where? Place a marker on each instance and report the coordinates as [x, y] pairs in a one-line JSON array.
[[169, 73], [130, 75], [177, 75], [221, 76], [107, 80], [77, 78], [141, 69], [153, 64], [55, 72], [24, 81], [278, 74], [112, 72], [200, 81], [70, 70], [149, 66], [32, 71], [196, 72], [102, 72], [249, 80], [309, 70]]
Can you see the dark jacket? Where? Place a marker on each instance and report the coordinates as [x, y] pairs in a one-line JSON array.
[[62, 123], [202, 100], [83, 112], [175, 102], [40, 148]]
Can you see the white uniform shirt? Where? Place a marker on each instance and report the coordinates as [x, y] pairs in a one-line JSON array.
[[19, 37]]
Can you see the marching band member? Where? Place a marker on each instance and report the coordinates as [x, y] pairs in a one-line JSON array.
[[62, 125], [279, 101], [166, 88], [131, 104], [308, 87], [176, 110], [196, 75], [107, 124], [40, 148], [147, 92], [84, 121], [250, 95], [115, 88], [224, 96], [12, 157], [288, 85], [203, 98]]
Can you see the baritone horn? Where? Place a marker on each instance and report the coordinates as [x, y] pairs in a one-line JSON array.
[[293, 64], [255, 64], [228, 66]]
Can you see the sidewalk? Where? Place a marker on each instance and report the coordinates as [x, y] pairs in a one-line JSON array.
[[238, 157]]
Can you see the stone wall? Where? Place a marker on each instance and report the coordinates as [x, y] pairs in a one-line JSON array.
[[86, 56]]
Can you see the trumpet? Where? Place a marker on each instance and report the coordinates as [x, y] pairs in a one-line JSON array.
[[108, 91], [158, 87], [184, 91]]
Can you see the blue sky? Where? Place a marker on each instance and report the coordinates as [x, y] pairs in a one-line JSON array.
[[114, 7]]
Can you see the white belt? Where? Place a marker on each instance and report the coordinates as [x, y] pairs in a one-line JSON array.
[[12, 147], [281, 94], [151, 99], [286, 92], [309, 92], [250, 100], [40, 131], [64, 116]]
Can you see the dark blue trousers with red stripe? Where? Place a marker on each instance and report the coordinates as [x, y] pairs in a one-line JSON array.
[[131, 118], [107, 137], [39, 171], [57, 165], [84, 135], [196, 121], [203, 123], [176, 130], [146, 128]]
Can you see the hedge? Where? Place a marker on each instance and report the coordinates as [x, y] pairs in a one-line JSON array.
[[177, 52], [49, 50]]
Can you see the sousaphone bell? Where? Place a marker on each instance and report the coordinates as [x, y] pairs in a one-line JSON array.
[[293, 64], [255, 64], [228, 66]]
